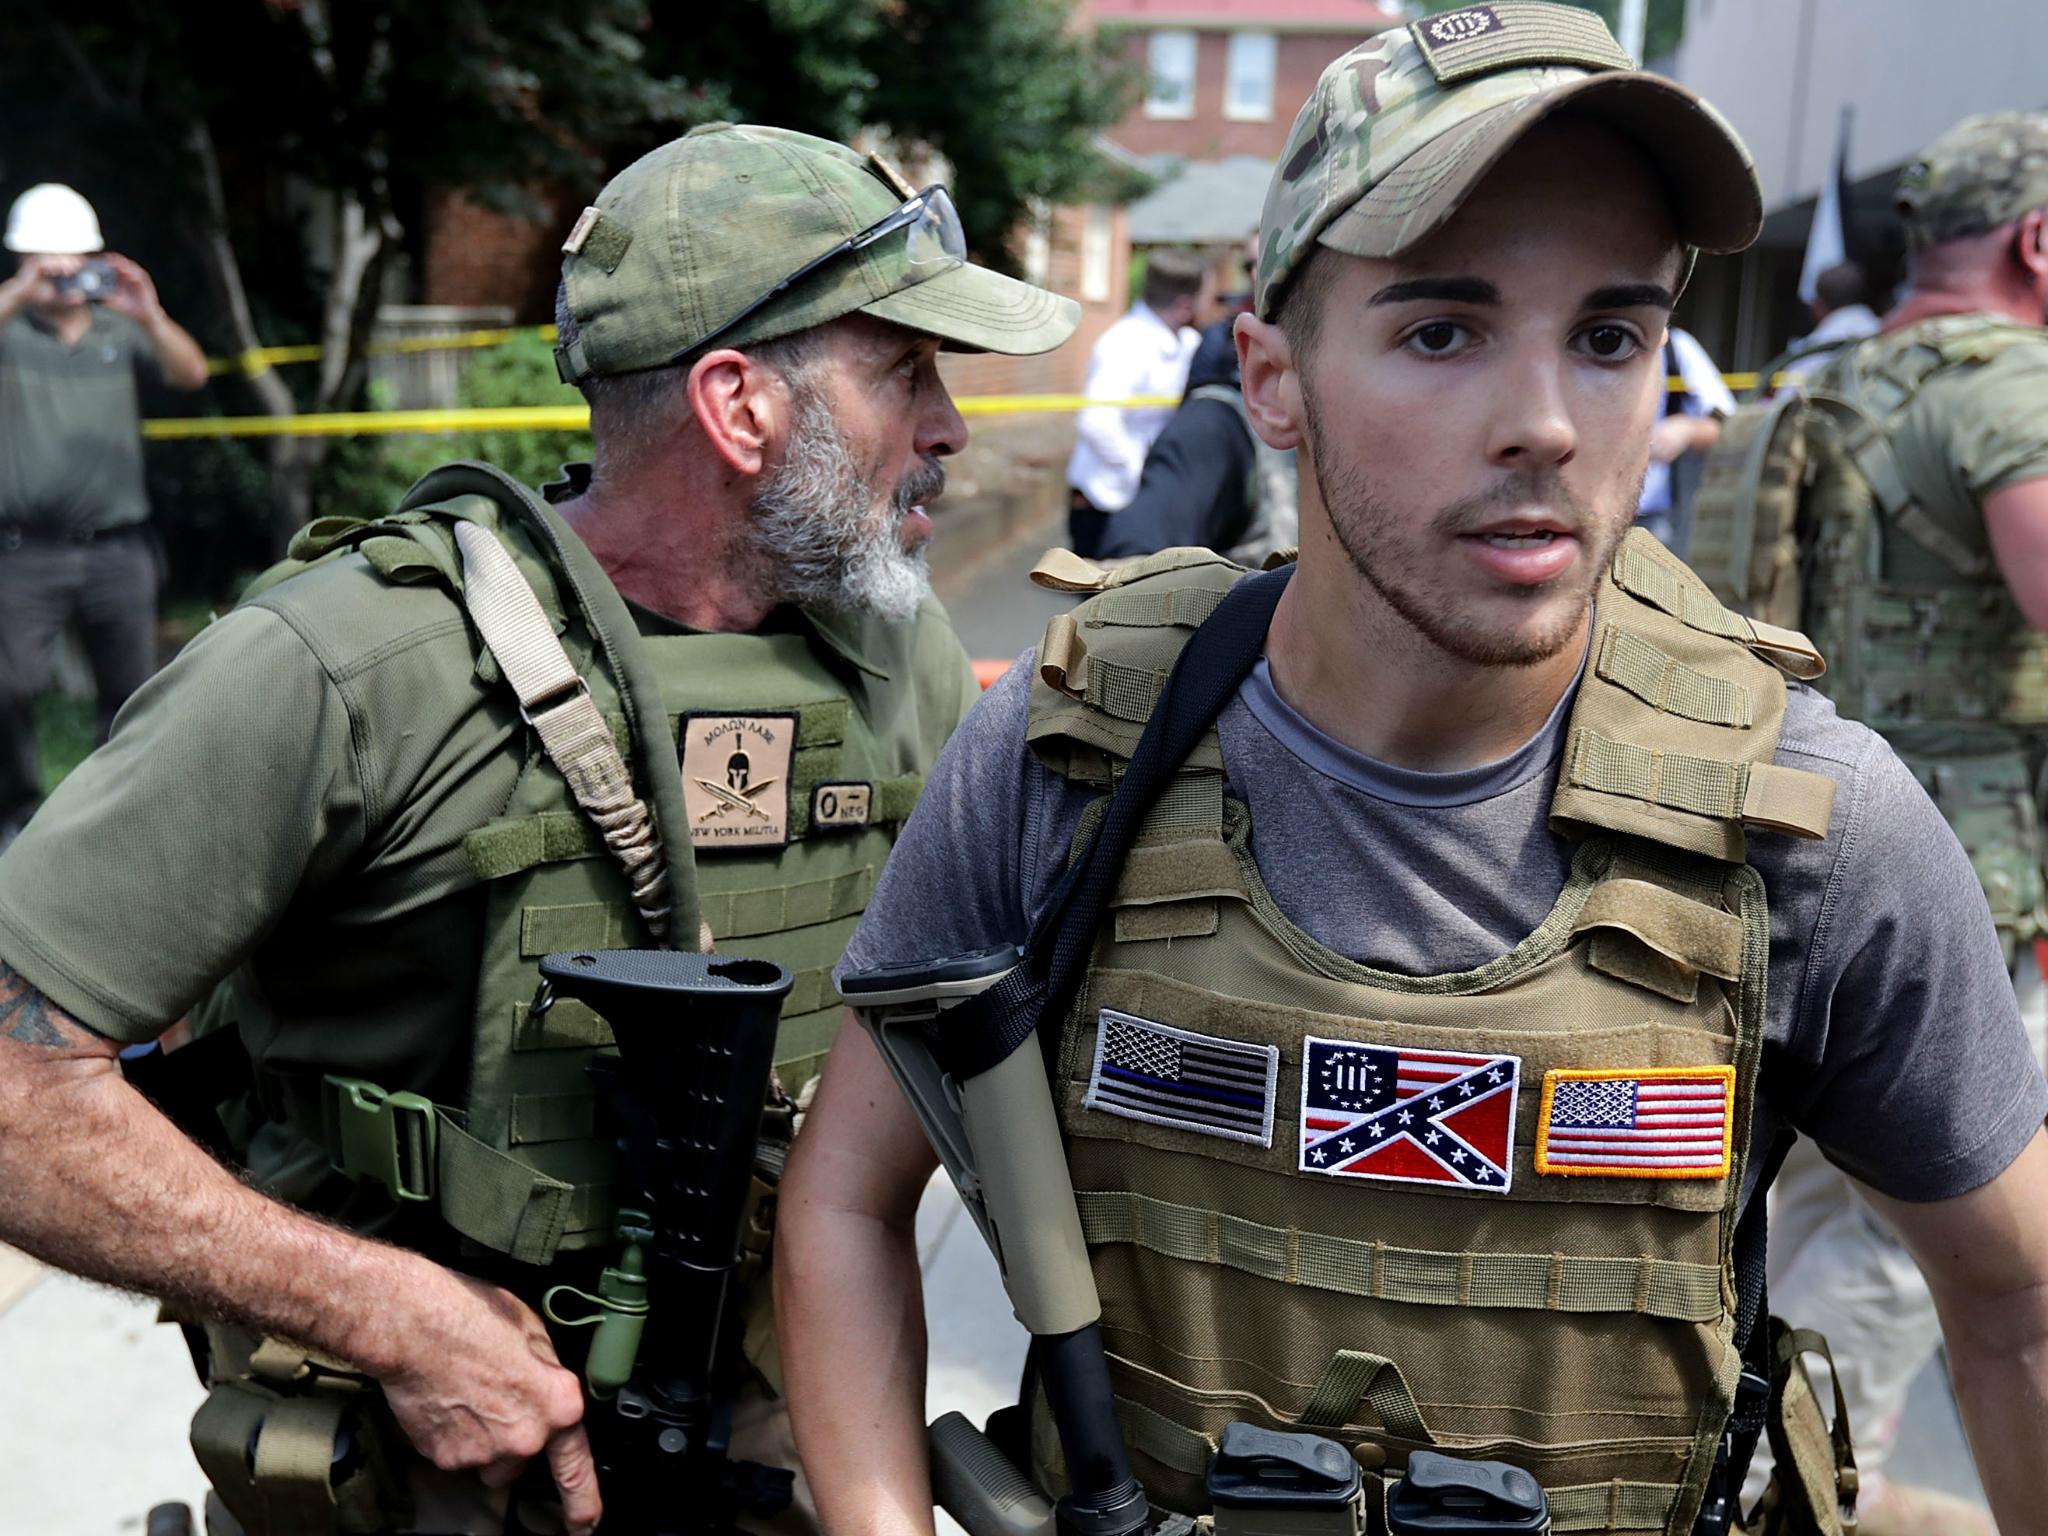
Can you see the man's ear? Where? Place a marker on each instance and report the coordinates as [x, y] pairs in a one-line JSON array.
[[1271, 384], [741, 406], [2027, 245]]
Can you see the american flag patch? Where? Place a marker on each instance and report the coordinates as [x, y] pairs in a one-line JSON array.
[[1411, 1116], [1637, 1122], [1168, 1076]]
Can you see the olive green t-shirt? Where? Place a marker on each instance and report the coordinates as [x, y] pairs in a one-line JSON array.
[[71, 425], [287, 801]]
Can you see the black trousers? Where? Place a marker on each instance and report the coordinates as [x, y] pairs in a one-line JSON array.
[[109, 588], [1086, 524]]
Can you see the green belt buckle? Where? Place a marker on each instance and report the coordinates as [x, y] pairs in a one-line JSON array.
[[386, 1137]]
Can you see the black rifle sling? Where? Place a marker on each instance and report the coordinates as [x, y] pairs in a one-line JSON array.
[[1752, 1341], [983, 1032]]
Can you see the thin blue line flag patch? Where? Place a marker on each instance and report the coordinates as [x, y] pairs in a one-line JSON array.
[[1174, 1077]]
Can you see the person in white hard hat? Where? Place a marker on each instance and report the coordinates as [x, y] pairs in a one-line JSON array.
[[77, 323]]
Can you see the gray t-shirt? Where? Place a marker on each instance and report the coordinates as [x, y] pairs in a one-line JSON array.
[[1892, 1036]]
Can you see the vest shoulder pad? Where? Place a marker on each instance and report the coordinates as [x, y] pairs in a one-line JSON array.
[[1101, 667], [1674, 734]]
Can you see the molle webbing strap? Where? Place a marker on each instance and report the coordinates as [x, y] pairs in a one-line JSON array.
[[983, 1032], [1757, 794], [1609, 1506], [555, 702], [1636, 663], [1352, 1374], [1641, 574], [1551, 1282], [1688, 932]]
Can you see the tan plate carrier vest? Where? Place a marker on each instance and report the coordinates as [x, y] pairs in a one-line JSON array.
[[1578, 1326], [520, 1166]]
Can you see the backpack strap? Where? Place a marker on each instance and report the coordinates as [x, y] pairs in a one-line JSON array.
[[983, 1032]]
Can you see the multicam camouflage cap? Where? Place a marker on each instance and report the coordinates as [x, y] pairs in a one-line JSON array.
[[690, 234], [1984, 172], [1400, 130]]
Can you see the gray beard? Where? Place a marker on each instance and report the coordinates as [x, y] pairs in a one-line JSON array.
[[816, 538]]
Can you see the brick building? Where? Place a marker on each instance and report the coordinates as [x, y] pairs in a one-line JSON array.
[[1226, 78]]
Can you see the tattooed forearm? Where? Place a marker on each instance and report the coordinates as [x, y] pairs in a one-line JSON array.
[[29, 1017]]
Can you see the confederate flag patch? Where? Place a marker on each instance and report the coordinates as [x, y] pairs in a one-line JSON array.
[[1408, 1116]]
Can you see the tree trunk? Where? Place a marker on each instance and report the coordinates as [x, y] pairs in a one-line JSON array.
[[291, 474]]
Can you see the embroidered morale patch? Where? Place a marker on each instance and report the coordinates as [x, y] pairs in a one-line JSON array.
[[1637, 1122], [837, 806], [736, 779], [1461, 26], [1409, 1116], [1174, 1077]]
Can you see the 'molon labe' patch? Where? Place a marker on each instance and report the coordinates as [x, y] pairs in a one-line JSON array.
[[1406, 1115], [1637, 1122], [1175, 1077], [736, 779], [840, 805]]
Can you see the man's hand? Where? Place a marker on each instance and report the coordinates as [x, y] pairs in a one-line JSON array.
[[1673, 437], [134, 295], [34, 285], [134, 292], [480, 1390], [96, 1181]]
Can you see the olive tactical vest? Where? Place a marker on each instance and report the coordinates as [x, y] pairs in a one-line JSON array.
[[790, 797], [1905, 598], [1492, 1211]]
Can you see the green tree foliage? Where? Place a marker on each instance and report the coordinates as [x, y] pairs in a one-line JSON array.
[[366, 476], [1662, 30], [272, 160]]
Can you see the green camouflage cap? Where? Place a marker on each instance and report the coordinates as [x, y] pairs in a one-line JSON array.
[[690, 234], [1984, 172], [1400, 130]]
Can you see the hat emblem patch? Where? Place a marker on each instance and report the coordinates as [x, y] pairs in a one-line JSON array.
[[1463, 26]]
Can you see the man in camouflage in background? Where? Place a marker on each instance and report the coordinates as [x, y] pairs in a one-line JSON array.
[[1928, 594]]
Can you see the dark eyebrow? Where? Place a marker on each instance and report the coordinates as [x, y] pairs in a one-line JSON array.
[[1630, 295], [1450, 290]]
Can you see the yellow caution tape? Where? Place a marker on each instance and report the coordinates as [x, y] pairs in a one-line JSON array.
[[576, 418], [528, 418], [261, 359]]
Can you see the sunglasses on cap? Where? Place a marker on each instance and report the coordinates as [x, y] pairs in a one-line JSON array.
[[929, 226]]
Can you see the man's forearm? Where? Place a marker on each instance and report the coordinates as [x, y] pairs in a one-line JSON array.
[[2002, 1390], [856, 1392], [94, 1180], [177, 354]]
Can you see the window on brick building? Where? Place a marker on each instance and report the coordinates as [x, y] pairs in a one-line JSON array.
[[1037, 254], [1095, 254], [1170, 59], [1248, 80]]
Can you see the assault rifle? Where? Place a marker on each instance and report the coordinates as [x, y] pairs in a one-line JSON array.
[[696, 1039]]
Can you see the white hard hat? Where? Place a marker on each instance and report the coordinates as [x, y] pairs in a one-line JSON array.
[[52, 220]]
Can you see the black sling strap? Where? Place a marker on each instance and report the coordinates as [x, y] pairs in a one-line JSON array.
[[1749, 1255], [983, 1032]]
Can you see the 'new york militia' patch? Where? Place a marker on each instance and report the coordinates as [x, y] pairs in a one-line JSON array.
[[736, 779], [1175, 1077], [1409, 1116], [1637, 1122]]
